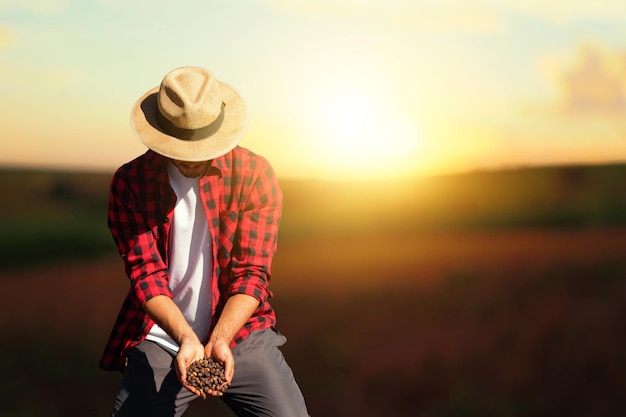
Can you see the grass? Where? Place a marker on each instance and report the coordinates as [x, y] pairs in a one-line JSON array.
[[55, 215], [52, 217], [492, 342], [485, 294]]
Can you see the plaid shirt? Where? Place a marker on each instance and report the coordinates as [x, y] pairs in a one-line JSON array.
[[243, 203]]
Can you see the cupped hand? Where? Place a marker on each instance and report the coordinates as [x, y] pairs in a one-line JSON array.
[[219, 350], [189, 352]]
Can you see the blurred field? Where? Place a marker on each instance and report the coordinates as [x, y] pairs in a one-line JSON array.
[[485, 294]]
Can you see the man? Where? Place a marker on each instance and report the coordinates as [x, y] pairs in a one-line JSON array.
[[195, 220]]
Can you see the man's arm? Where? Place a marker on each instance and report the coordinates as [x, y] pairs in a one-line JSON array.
[[251, 258], [257, 235], [168, 316], [135, 240], [237, 310]]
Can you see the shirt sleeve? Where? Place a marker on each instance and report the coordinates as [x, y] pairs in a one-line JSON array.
[[136, 242], [256, 238]]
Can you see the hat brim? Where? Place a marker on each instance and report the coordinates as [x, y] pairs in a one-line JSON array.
[[144, 124]]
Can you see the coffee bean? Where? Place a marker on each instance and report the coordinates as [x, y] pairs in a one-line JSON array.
[[206, 374]]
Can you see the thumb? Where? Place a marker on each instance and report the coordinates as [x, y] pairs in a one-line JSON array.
[[208, 349], [181, 369]]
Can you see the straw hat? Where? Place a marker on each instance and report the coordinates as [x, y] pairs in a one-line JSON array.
[[191, 116]]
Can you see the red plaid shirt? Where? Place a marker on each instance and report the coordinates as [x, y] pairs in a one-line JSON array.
[[243, 204]]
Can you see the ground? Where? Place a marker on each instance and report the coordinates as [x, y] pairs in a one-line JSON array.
[[508, 323]]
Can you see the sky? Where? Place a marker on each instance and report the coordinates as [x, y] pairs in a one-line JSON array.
[[335, 89]]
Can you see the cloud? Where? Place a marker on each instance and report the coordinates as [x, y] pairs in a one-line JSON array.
[[594, 83], [583, 120], [456, 15], [48, 7], [424, 15], [565, 11]]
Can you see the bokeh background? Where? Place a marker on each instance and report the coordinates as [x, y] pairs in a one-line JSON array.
[[452, 241]]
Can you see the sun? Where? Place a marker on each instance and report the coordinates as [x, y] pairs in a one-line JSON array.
[[358, 132], [358, 126]]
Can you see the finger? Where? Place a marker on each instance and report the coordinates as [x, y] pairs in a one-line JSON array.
[[181, 370], [222, 388], [216, 393], [194, 390], [229, 369]]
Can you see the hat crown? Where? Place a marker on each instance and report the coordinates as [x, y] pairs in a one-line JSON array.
[[190, 98], [190, 116]]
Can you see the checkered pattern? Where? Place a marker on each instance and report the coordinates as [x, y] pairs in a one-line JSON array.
[[243, 204]]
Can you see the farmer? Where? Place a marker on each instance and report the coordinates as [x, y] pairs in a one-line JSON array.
[[195, 220]]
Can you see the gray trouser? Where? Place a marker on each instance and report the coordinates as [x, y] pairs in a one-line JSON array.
[[263, 384]]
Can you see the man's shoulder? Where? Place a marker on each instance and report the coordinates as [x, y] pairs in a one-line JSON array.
[[239, 152], [144, 165], [241, 157]]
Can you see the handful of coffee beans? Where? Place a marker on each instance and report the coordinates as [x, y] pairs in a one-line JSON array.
[[206, 374]]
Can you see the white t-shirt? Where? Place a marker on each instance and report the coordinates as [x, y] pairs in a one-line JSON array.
[[190, 262]]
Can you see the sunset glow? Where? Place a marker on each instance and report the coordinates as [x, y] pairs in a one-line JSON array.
[[361, 134], [334, 89]]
